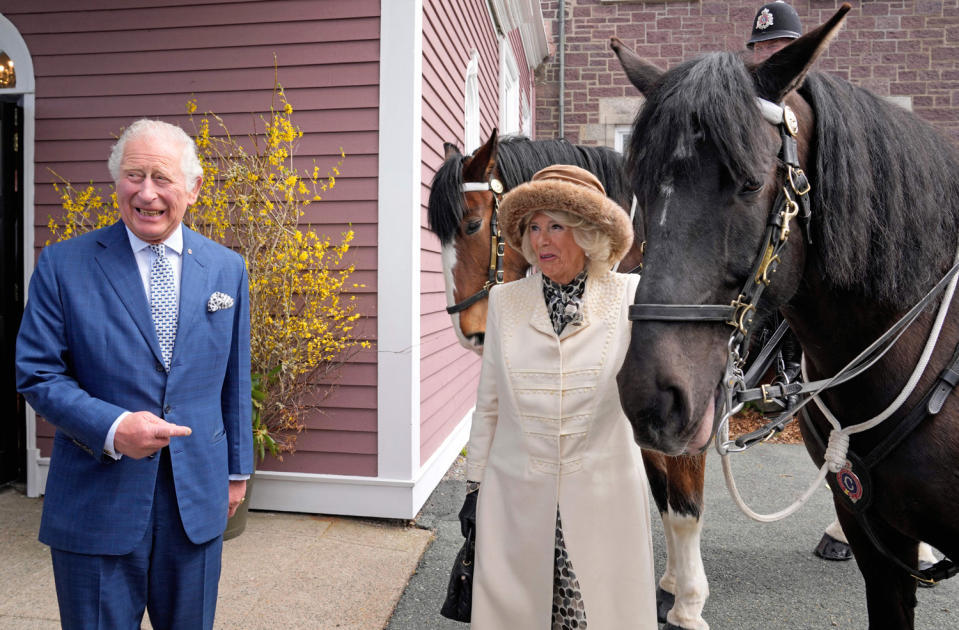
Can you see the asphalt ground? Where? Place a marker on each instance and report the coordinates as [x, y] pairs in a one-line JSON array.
[[761, 576]]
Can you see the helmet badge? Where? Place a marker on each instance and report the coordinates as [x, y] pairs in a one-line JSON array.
[[764, 20]]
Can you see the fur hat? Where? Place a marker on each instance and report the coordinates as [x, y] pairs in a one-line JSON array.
[[571, 189]]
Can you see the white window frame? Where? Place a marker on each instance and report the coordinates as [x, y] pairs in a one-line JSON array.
[[509, 119], [526, 117], [471, 106], [621, 134]]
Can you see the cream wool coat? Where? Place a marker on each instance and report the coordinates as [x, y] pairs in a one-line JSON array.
[[549, 430]]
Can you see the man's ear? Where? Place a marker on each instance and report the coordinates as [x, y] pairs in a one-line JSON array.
[[196, 191]]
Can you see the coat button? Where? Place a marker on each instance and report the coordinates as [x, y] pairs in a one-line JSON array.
[[158, 367], [167, 409]]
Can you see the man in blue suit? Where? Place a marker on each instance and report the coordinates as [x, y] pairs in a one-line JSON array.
[[135, 343]]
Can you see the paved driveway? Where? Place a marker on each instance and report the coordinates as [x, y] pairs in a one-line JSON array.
[[761, 576]]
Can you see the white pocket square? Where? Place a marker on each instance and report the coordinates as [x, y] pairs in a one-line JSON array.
[[218, 301]]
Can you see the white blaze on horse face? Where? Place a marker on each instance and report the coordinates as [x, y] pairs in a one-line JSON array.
[[683, 151], [665, 191], [685, 576], [448, 253]]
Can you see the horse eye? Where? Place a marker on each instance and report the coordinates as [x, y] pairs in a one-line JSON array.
[[751, 188], [473, 226]]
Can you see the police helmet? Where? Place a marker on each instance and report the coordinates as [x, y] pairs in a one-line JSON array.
[[775, 20]]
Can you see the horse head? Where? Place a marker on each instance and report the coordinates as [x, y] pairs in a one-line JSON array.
[[707, 168], [463, 219]]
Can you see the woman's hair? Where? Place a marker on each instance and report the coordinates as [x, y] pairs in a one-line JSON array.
[[190, 165], [592, 239]]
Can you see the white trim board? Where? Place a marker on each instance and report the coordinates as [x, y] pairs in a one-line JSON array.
[[16, 48], [398, 244], [359, 496]]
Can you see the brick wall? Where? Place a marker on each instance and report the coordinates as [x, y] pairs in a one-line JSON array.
[[905, 50]]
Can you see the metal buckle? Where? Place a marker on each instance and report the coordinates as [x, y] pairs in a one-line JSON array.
[[792, 182], [742, 309]]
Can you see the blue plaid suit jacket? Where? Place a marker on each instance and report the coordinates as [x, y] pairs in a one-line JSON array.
[[87, 351]]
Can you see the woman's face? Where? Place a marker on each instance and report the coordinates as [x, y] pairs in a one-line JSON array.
[[557, 254]]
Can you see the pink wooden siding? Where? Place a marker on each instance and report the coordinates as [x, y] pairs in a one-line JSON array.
[[101, 63], [452, 29]]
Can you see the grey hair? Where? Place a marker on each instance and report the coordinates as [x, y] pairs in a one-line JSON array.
[[594, 241], [190, 166]]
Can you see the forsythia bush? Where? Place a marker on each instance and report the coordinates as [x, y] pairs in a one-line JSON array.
[[252, 199]]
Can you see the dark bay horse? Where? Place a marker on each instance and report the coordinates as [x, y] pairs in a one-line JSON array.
[[461, 215], [715, 174]]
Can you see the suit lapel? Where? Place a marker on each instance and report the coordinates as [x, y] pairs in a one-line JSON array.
[[118, 264], [193, 284], [539, 318]]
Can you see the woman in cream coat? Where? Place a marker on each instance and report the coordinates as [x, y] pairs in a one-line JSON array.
[[562, 518]]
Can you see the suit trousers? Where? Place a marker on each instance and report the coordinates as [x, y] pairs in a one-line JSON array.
[[166, 574]]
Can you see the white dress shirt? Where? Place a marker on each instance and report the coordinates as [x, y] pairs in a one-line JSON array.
[[144, 257]]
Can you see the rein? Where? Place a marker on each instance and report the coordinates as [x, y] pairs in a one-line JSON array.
[[497, 245]]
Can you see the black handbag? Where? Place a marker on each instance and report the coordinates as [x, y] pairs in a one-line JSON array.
[[459, 594]]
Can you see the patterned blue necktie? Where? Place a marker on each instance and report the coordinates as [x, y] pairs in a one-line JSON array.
[[163, 302]]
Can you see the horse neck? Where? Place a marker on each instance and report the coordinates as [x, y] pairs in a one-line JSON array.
[[833, 327]]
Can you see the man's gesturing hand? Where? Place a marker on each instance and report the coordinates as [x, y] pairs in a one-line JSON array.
[[141, 433]]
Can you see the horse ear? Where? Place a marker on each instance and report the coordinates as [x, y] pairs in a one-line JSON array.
[[642, 74], [450, 150], [786, 69], [480, 166]]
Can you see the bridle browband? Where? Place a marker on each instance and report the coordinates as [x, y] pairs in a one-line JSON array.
[[792, 201], [497, 245]]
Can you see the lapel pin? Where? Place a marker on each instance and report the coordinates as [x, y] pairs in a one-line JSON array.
[[189, 251]]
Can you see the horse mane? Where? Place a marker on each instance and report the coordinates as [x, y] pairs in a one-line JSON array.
[[517, 159], [885, 197], [445, 194], [697, 101], [885, 194]]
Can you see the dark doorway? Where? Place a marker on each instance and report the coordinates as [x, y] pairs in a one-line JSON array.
[[12, 424]]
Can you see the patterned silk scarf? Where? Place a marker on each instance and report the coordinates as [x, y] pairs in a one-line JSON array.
[[565, 301]]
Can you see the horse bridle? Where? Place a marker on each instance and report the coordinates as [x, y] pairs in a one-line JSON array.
[[792, 201], [497, 245]]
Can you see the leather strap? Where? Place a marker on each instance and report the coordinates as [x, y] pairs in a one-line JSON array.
[[944, 385], [917, 414], [765, 357], [681, 312], [468, 302]]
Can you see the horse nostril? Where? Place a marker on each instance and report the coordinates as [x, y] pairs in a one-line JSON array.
[[673, 405]]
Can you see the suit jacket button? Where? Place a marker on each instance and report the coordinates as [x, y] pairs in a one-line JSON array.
[[151, 456], [158, 367], [167, 409]]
